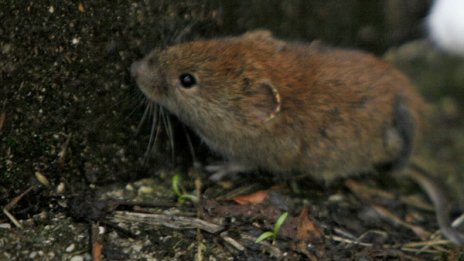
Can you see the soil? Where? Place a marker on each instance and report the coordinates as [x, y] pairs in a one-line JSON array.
[[73, 147]]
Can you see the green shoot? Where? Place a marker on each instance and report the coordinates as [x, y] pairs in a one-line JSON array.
[[275, 232], [181, 195], [264, 236], [176, 184]]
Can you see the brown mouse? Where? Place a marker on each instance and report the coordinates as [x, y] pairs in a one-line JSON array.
[[291, 109]]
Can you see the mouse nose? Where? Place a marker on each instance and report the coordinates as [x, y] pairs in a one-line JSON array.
[[135, 69]]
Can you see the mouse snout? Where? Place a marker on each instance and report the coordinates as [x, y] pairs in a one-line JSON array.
[[137, 68]]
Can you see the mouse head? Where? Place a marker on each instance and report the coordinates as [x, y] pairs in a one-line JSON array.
[[214, 81]]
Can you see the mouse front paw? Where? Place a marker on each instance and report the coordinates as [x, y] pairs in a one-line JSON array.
[[227, 169]]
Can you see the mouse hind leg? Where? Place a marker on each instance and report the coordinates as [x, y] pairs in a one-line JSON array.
[[401, 134]]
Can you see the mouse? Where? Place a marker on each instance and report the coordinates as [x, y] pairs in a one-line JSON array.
[[291, 109]]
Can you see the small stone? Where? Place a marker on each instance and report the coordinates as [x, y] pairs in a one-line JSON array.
[[70, 248], [77, 258], [129, 187], [145, 190], [33, 255], [5, 225], [42, 179], [137, 247], [75, 41], [101, 230], [60, 188]]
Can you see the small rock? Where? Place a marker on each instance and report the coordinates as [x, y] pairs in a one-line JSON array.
[[77, 258], [70, 248]]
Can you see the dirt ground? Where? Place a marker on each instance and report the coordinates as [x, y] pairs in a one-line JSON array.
[[77, 175]]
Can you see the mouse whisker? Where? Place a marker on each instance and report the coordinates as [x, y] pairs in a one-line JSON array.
[[181, 34], [107, 118], [153, 131], [158, 113], [169, 131], [141, 102], [189, 141], [146, 112]]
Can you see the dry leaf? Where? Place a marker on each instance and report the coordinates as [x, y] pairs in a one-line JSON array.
[[254, 198], [308, 233], [307, 230]]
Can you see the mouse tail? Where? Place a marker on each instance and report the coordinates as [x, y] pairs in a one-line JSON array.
[[438, 196]]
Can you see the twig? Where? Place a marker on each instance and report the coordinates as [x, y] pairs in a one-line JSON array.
[[16, 199], [273, 250], [419, 231], [232, 241], [410, 247], [428, 243], [12, 218], [458, 221], [199, 236], [12, 204], [175, 222], [64, 148]]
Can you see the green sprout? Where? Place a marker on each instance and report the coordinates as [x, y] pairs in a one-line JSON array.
[[275, 232], [180, 192]]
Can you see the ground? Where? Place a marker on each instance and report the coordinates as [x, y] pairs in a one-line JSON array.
[[73, 156]]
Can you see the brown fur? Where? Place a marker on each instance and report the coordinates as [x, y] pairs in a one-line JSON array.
[[284, 107]]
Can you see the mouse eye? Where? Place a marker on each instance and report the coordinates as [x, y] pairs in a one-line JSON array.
[[187, 80]]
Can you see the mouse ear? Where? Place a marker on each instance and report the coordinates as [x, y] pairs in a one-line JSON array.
[[265, 100], [264, 36]]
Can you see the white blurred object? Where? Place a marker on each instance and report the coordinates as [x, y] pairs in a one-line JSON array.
[[446, 25]]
